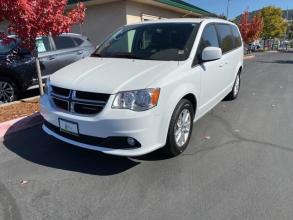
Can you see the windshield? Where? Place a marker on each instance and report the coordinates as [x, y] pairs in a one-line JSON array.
[[7, 45], [164, 41]]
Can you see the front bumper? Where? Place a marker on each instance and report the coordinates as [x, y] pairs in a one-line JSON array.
[[146, 127]]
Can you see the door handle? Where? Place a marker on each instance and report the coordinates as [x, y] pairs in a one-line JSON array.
[[223, 64], [51, 57], [79, 52]]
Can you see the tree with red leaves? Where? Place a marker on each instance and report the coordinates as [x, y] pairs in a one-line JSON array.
[[29, 19], [250, 30]]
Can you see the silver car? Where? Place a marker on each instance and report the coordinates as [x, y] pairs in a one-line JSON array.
[[60, 51]]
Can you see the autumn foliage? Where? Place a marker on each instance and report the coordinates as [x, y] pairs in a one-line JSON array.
[[29, 19], [250, 30]]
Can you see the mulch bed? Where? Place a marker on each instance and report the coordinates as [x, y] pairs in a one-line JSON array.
[[19, 109]]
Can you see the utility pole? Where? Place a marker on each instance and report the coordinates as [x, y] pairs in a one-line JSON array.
[[228, 5], [80, 24]]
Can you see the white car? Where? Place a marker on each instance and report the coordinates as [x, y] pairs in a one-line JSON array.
[[144, 86]]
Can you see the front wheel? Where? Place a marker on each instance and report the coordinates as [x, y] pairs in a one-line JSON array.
[[180, 128], [8, 90]]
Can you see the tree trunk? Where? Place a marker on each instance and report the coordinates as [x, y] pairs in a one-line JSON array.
[[39, 71]]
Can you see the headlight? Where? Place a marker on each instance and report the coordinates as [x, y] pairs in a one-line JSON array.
[[48, 87], [137, 100]]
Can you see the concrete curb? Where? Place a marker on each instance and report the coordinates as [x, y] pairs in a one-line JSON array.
[[19, 101], [19, 124], [249, 57]]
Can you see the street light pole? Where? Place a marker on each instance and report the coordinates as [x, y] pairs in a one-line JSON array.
[[80, 25], [228, 4]]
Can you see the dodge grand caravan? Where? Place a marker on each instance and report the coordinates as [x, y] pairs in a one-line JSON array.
[[144, 86]]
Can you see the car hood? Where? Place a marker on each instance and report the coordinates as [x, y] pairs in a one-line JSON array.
[[111, 75]]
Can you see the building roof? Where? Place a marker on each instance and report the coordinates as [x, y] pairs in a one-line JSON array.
[[173, 3], [186, 6]]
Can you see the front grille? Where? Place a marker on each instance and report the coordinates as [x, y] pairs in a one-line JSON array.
[[84, 103], [62, 104], [86, 108], [91, 96], [60, 91]]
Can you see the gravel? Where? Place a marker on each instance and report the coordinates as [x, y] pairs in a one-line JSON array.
[[19, 109]]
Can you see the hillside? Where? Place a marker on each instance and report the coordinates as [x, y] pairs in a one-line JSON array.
[[251, 14]]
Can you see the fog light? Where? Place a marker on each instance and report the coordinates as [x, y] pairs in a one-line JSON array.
[[131, 141]]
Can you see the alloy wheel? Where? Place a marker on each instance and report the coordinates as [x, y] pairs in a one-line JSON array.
[[182, 128], [236, 86], [7, 92]]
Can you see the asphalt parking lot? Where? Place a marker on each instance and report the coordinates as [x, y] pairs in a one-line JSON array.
[[239, 165]]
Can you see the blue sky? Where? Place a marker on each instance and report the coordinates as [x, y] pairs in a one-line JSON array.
[[238, 6]]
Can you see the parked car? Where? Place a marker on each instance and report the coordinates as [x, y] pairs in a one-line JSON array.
[[255, 47], [144, 86], [17, 66]]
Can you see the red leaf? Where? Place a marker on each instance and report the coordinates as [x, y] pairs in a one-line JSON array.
[[31, 18]]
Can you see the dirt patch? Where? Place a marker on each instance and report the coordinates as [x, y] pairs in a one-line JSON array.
[[19, 109]]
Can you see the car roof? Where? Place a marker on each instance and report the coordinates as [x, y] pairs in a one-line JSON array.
[[64, 34], [71, 34], [185, 20]]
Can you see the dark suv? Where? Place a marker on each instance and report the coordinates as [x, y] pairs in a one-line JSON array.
[[17, 66]]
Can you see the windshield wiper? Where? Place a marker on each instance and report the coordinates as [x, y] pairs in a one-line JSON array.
[[118, 55], [96, 55], [126, 55]]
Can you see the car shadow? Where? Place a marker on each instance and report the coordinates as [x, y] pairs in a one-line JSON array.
[[34, 145], [157, 155]]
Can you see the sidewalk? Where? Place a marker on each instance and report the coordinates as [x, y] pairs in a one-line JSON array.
[[249, 57], [15, 125]]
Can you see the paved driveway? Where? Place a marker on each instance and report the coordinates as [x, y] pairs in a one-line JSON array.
[[239, 165]]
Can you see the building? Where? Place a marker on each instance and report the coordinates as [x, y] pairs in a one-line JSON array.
[[105, 16]]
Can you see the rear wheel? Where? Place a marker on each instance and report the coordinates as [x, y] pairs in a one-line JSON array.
[[180, 128], [8, 90], [236, 88]]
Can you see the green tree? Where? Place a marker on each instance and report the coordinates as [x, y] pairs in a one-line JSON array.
[[290, 30], [274, 23]]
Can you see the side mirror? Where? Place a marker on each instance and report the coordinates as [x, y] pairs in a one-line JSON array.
[[211, 53]]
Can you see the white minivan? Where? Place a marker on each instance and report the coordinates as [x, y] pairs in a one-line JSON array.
[[144, 86]]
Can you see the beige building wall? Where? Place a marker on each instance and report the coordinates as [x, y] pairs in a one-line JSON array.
[[101, 20], [104, 18], [137, 12]]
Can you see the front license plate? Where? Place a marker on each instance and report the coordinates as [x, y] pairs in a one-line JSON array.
[[68, 127]]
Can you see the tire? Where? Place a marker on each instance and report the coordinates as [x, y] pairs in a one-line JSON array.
[[173, 147], [8, 90], [236, 88]]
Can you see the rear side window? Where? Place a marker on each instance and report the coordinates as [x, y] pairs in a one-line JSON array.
[[62, 42], [236, 36], [209, 38], [7, 45], [226, 38], [43, 44], [77, 41]]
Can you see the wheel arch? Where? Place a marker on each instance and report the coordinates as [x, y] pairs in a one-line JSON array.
[[240, 69], [192, 98], [184, 91]]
